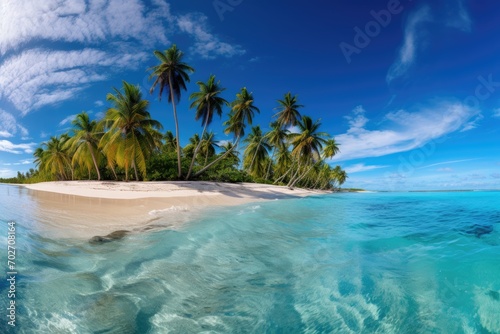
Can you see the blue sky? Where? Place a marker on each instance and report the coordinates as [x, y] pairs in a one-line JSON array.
[[410, 89]]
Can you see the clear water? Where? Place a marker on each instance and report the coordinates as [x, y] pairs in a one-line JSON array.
[[342, 263]]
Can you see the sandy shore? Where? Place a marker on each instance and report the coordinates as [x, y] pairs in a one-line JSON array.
[[88, 208]]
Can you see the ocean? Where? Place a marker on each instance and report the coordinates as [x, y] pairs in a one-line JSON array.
[[339, 263]]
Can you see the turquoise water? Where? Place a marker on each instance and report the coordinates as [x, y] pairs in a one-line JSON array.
[[341, 263]]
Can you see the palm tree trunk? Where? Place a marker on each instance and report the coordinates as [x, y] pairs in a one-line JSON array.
[[135, 171], [270, 163], [302, 176], [179, 168], [219, 158], [294, 176], [110, 165], [199, 144], [282, 176], [95, 162], [256, 151]]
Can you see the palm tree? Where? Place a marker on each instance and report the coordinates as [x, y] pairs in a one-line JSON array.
[[132, 135], [339, 175], [242, 112], [171, 76], [331, 148], [208, 145], [193, 143], [256, 152], [207, 102], [56, 158], [276, 137], [170, 141], [307, 144], [84, 142], [230, 153], [288, 114]]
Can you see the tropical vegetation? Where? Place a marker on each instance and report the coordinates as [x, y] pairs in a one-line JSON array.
[[128, 144]]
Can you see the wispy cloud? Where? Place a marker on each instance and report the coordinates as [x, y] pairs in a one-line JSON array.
[[22, 162], [81, 21], [96, 39], [453, 15], [407, 53], [449, 162], [358, 168], [458, 17], [472, 124], [206, 44], [9, 126], [8, 146], [445, 170], [67, 120], [402, 131], [36, 78], [496, 112]]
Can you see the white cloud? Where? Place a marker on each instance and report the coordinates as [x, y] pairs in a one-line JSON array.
[[448, 162], [458, 17], [293, 129], [358, 168], [403, 130], [445, 170], [472, 124], [7, 173], [36, 78], [357, 120], [98, 103], [206, 44], [407, 53], [496, 112], [8, 146], [22, 162], [68, 119], [95, 39], [80, 21], [9, 126]]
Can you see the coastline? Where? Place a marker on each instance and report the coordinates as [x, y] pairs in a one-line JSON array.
[[83, 209]]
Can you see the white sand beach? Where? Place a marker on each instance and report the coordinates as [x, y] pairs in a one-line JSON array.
[[88, 208]]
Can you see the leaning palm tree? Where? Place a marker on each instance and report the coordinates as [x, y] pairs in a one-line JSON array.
[[288, 114], [171, 76], [231, 153], [242, 112], [84, 142], [307, 144], [132, 135], [207, 103]]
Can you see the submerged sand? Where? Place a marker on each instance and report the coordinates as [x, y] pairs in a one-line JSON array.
[[83, 209]]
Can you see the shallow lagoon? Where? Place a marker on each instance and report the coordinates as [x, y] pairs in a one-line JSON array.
[[340, 263]]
